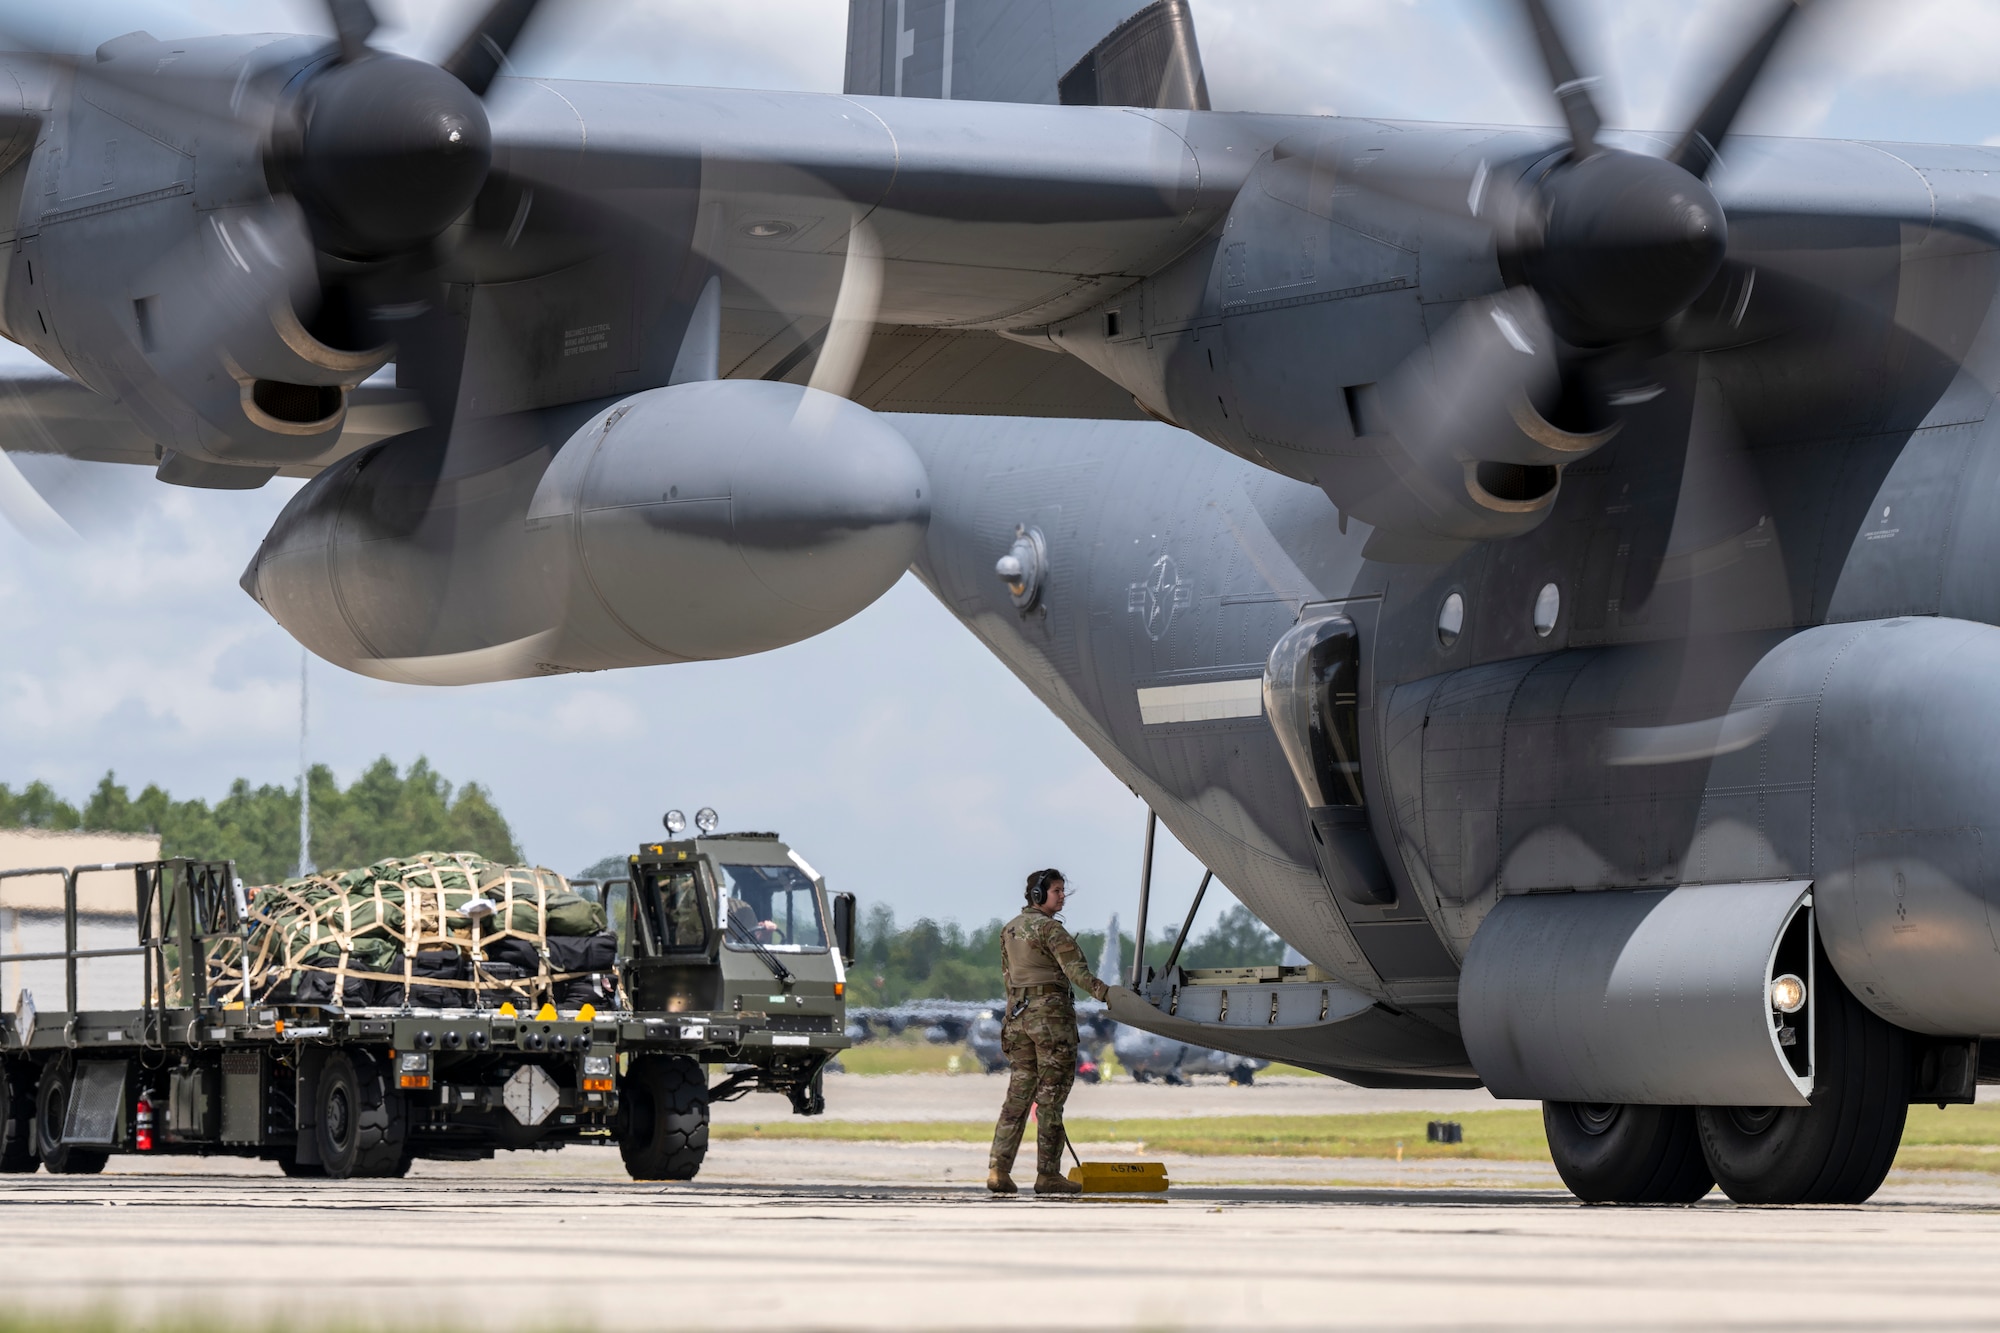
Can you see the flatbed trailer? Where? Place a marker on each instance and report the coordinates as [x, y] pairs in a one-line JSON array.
[[725, 960]]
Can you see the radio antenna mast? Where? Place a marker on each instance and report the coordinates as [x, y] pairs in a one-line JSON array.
[[306, 866]]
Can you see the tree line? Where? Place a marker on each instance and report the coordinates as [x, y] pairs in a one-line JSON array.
[[381, 813], [927, 960]]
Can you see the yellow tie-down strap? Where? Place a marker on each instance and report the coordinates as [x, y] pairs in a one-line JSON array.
[[1120, 1177]]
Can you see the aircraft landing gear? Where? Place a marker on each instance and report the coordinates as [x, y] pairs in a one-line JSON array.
[[1836, 1150], [1627, 1154]]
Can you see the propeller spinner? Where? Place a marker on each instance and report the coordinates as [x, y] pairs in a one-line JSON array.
[[1617, 243]]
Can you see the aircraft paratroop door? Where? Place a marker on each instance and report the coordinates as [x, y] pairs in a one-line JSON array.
[[1312, 697]]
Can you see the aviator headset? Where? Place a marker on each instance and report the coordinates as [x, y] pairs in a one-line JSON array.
[[1038, 885]]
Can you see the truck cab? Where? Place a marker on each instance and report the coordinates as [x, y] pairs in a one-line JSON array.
[[732, 940]]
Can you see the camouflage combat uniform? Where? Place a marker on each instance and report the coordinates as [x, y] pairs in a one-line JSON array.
[[1038, 960]]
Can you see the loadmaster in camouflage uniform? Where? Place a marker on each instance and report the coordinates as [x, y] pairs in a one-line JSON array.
[[1039, 960]]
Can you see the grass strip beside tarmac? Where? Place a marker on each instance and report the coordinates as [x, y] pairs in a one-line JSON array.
[[1494, 1135], [1955, 1138]]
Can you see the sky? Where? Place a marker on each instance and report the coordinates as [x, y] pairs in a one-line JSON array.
[[898, 756]]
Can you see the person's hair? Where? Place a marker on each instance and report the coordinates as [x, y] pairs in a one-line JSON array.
[[1039, 882]]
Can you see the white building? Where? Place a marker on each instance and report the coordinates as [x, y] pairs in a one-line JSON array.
[[31, 914]]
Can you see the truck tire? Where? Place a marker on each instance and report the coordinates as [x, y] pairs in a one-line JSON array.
[[1837, 1149], [663, 1114], [362, 1123], [1627, 1154], [51, 1111], [17, 1118]]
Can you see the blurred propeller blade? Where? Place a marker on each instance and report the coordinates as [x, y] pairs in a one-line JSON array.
[[30, 514], [480, 56], [1697, 151], [354, 22], [1570, 86], [243, 264], [854, 311]]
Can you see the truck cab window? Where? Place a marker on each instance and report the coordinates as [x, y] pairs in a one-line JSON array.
[[675, 907], [775, 906]]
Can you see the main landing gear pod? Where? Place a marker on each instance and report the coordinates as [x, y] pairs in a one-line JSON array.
[[1683, 1038]]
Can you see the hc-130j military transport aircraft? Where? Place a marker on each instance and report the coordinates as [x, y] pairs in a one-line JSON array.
[[1547, 574]]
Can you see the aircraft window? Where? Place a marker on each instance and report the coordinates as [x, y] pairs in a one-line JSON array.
[[1548, 605], [776, 906], [1311, 696], [1451, 620]]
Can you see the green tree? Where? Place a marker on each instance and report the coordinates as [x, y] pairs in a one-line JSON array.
[[1237, 939], [36, 806], [384, 813]]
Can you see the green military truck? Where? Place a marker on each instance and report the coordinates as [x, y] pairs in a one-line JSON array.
[[729, 979]]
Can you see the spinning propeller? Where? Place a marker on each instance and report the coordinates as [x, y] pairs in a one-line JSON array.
[[1604, 252], [1614, 244]]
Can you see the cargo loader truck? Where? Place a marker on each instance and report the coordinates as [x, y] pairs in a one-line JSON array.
[[728, 978]]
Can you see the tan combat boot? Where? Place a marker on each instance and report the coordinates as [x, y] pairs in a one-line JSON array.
[[1054, 1185], [999, 1182]]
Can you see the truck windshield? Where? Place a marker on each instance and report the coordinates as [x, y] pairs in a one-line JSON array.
[[773, 905]]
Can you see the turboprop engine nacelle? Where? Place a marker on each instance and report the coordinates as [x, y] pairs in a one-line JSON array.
[[699, 521]]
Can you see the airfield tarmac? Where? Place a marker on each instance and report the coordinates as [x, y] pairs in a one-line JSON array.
[[816, 1234]]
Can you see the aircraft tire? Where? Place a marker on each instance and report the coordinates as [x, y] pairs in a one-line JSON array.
[[17, 1118], [1838, 1149], [663, 1118], [362, 1123], [1627, 1154]]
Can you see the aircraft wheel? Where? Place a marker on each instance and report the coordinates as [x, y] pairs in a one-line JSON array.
[[1627, 1154], [663, 1118], [1838, 1149], [17, 1117], [51, 1112], [362, 1123]]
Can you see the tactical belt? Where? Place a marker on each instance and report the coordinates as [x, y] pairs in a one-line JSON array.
[[1046, 988]]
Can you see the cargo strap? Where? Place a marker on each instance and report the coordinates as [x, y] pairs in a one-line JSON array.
[[319, 913]]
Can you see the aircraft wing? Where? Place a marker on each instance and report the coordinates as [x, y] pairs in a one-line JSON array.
[[984, 223]]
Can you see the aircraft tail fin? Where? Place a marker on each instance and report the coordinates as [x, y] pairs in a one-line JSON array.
[[1072, 52], [1111, 958]]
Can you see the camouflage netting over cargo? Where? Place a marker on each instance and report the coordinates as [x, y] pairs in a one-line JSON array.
[[439, 930]]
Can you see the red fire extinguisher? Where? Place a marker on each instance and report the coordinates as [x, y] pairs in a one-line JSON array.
[[142, 1124]]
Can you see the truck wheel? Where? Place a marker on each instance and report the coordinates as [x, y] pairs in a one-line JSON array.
[[1627, 1154], [361, 1121], [298, 1170], [1837, 1149], [664, 1110], [51, 1110], [17, 1117]]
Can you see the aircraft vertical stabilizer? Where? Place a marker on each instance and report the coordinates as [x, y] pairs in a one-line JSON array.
[[1073, 52], [1111, 958]]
